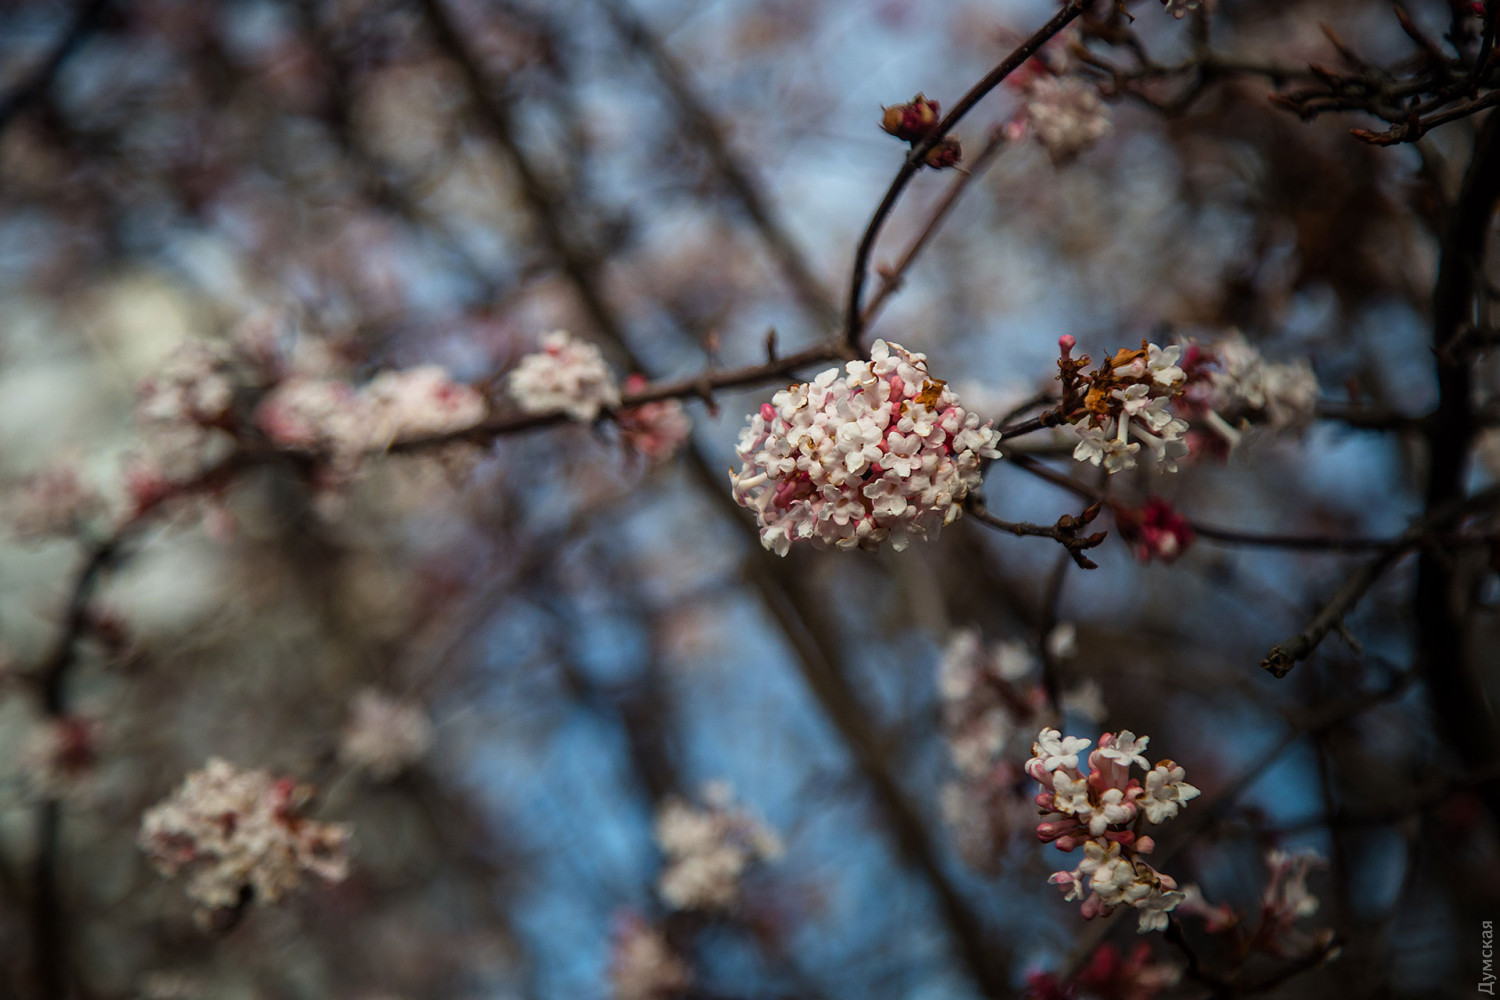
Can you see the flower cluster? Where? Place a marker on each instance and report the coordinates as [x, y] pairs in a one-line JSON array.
[[708, 850], [1065, 114], [882, 451], [181, 404], [565, 376], [1103, 812], [1248, 389], [1287, 899], [384, 736], [1131, 391], [239, 835], [643, 965], [333, 418], [992, 699], [53, 502], [653, 430]]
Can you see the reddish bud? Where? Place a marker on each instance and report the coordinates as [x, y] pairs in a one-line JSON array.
[[947, 153], [910, 122]]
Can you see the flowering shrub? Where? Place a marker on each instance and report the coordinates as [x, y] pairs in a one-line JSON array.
[[240, 836], [1104, 813], [883, 451]]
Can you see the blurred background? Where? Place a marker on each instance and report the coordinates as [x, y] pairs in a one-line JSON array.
[[592, 636]]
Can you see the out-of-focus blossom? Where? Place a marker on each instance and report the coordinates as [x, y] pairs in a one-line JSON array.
[[642, 964], [334, 419], [1287, 899], [708, 850], [653, 430], [1156, 530], [883, 451], [384, 736], [1066, 115], [1109, 974], [59, 754], [419, 402], [985, 702], [1247, 389], [1102, 813], [239, 836], [566, 376], [53, 502], [1179, 8]]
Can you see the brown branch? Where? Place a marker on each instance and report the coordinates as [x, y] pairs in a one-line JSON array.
[[1284, 656], [853, 323], [1064, 532], [892, 278]]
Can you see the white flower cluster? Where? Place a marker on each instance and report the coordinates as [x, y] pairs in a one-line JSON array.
[[708, 850], [566, 376], [331, 417], [1066, 115], [883, 451], [384, 736], [1282, 396], [643, 965], [1135, 390], [1099, 811], [238, 834]]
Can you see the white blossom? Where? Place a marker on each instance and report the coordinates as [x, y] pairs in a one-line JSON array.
[[829, 460], [238, 834], [708, 850], [566, 376], [384, 736], [1066, 115]]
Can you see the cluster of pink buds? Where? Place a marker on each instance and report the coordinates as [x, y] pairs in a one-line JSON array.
[[882, 451], [1156, 530], [1105, 813], [239, 836], [1123, 404], [913, 122]]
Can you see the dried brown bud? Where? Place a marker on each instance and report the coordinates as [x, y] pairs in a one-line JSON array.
[[911, 122]]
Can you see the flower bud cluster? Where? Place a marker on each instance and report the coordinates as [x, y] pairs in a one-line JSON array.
[[882, 451], [1108, 973], [913, 122], [1103, 813], [384, 736], [1066, 115], [566, 376], [240, 835], [1130, 393], [708, 850]]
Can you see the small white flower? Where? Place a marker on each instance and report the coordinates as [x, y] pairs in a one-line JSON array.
[[566, 376], [1126, 749], [1057, 750]]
